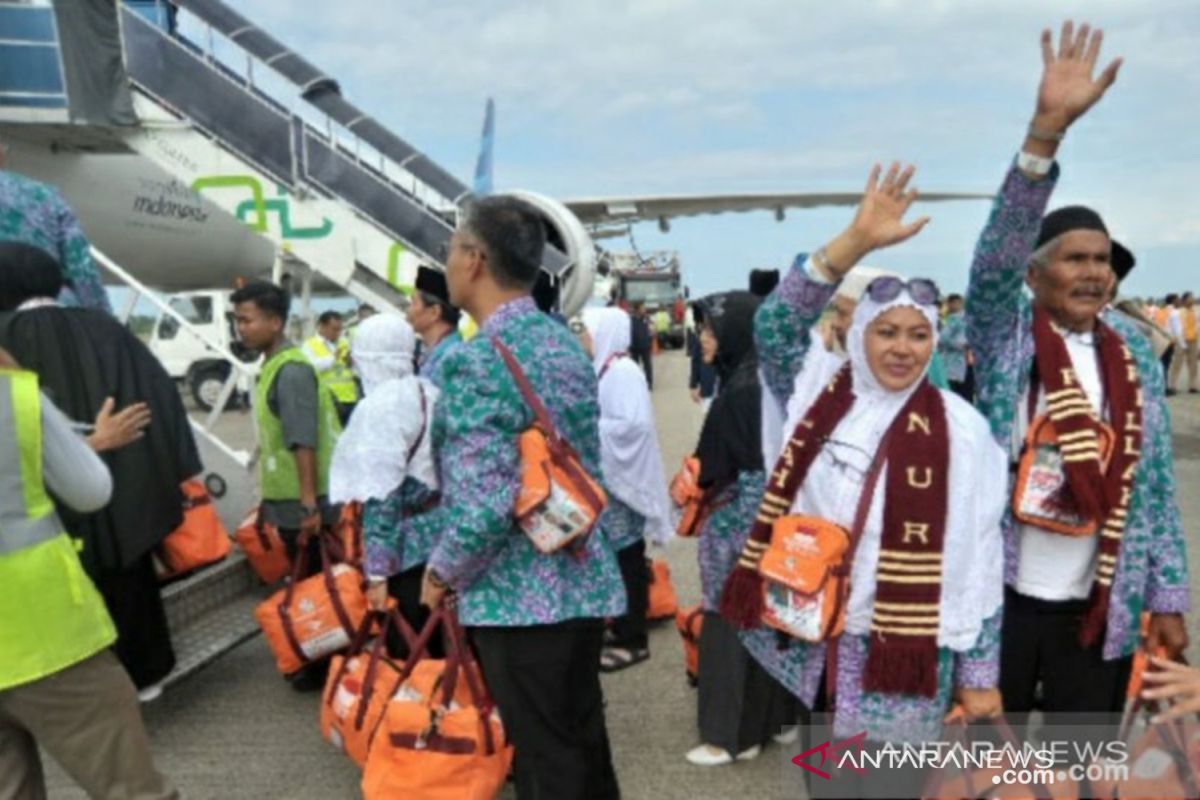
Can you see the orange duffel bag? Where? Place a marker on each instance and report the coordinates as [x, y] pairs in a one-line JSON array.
[[314, 617], [431, 745], [559, 503], [689, 622], [663, 602], [361, 683], [201, 539], [263, 547]]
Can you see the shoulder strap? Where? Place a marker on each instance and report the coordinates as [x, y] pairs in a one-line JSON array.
[[412, 451], [526, 389]]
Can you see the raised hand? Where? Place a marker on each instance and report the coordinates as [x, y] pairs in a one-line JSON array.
[[1068, 89], [879, 221], [116, 430]]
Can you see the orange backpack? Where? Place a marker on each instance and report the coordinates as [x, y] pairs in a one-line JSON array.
[[433, 746], [663, 602], [312, 618], [1042, 496], [263, 547], [559, 503], [689, 622], [199, 541]]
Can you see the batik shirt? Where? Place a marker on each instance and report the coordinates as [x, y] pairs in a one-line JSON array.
[[1152, 572], [386, 549], [623, 526], [952, 347], [34, 213], [431, 362], [479, 550], [781, 336], [725, 532]]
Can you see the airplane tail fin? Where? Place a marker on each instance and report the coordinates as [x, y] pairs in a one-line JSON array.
[[483, 166]]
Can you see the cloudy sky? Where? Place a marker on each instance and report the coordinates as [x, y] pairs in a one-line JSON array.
[[603, 97]]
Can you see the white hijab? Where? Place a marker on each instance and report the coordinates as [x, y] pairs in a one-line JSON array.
[[821, 363], [629, 453], [973, 555], [371, 458]]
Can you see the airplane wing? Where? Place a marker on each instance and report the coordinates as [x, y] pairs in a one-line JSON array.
[[601, 211]]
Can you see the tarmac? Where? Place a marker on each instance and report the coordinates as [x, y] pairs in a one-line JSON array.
[[237, 730]]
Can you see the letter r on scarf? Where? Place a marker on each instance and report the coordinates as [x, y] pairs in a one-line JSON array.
[[925, 483], [916, 530], [915, 421]]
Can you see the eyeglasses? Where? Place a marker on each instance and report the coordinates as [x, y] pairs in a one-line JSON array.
[[886, 289]]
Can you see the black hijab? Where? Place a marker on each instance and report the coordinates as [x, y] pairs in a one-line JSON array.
[[81, 357], [731, 439]]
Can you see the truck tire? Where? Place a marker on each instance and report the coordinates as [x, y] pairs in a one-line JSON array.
[[206, 383]]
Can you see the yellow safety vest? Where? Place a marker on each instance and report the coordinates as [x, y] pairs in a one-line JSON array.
[[339, 378], [1189, 324], [51, 616]]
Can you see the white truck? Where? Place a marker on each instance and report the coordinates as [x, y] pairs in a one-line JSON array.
[[186, 357]]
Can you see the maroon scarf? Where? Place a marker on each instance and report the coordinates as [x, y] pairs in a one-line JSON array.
[[903, 656], [1101, 495]]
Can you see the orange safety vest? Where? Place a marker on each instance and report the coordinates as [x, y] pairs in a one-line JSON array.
[[1189, 323]]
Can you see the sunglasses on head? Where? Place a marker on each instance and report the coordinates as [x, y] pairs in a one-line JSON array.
[[887, 289]]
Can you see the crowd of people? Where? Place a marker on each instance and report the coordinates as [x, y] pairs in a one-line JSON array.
[[983, 485]]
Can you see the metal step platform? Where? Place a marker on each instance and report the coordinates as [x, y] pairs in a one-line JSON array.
[[211, 612]]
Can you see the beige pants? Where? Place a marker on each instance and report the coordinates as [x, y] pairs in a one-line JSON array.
[[1189, 352], [87, 717]]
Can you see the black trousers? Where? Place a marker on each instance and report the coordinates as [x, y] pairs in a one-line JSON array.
[[405, 589], [1040, 643], [545, 680], [647, 362], [630, 630], [966, 387], [134, 601], [739, 704]]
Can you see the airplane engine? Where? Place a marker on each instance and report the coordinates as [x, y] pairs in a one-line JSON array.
[[566, 232]]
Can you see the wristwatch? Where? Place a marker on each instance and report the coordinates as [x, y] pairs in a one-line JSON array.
[[1034, 165]]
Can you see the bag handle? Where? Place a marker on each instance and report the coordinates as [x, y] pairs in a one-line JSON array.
[[461, 660], [357, 645], [391, 619]]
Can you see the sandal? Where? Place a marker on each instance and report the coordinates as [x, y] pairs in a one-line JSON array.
[[615, 659]]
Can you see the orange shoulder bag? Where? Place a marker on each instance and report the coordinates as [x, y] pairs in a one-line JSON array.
[[689, 497], [806, 568], [559, 502], [1042, 496]]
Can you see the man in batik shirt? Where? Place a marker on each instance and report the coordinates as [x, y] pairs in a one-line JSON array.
[[1093, 536], [536, 619]]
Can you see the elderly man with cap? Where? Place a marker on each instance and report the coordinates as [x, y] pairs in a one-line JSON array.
[[434, 320], [1074, 394]]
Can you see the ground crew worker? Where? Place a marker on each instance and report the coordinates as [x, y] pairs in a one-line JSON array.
[[61, 687], [297, 429], [329, 352]]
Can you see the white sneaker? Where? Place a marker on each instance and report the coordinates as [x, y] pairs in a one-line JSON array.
[[150, 693], [789, 735], [750, 755], [705, 756]]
